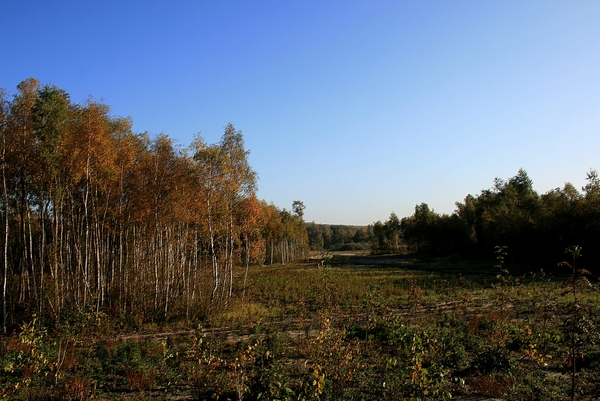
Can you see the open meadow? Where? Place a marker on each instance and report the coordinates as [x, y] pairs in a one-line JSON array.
[[342, 327]]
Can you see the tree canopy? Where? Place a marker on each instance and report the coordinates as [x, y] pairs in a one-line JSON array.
[[97, 217], [535, 228]]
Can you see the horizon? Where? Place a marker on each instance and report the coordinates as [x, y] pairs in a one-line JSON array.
[[357, 109]]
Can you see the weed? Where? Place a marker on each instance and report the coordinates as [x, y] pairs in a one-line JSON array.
[[76, 389], [140, 379], [415, 295], [359, 333]]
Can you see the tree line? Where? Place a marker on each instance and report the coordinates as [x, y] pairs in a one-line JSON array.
[[536, 229], [338, 237], [97, 217]]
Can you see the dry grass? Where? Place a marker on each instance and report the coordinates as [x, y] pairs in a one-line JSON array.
[[490, 385]]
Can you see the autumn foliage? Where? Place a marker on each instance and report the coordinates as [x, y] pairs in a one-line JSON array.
[[97, 217]]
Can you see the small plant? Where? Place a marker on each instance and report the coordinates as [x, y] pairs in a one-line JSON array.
[[29, 362], [240, 369], [333, 360], [415, 295], [205, 374], [428, 377], [76, 389], [576, 325], [536, 356], [269, 381], [493, 360], [140, 379], [503, 278], [375, 301]]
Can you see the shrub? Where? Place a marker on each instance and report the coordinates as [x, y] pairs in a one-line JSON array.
[[493, 360]]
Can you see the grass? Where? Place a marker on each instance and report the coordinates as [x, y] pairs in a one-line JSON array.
[[396, 329]]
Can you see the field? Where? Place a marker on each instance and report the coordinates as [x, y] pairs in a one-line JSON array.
[[352, 327]]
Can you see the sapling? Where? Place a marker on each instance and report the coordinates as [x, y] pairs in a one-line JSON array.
[[575, 323], [500, 252], [415, 294]]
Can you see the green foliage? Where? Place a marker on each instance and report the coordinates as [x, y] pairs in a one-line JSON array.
[[351, 333], [429, 233], [493, 360], [326, 237], [535, 228]]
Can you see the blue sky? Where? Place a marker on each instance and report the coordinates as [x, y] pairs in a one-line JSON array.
[[357, 108]]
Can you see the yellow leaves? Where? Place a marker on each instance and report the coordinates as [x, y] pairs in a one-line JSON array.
[[532, 350], [318, 379], [537, 357], [9, 367], [415, 374]]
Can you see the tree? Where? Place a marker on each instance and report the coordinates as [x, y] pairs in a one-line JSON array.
[[298, 208], [504, 214], [387, 235], [285, 235], [4, 113], [418, 228], [240, 185], [20, 155]]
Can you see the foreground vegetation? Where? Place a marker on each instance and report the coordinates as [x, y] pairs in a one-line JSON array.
[[358, 328]]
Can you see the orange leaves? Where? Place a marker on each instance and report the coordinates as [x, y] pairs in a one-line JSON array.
[[123, 220]]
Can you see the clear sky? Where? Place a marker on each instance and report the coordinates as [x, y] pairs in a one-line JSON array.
[[357, 108]]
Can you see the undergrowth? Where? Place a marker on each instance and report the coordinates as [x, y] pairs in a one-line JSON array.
[[330, 333]]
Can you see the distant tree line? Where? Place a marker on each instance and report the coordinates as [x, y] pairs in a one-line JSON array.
[[97, 217], [335, 237], [535, 228]]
